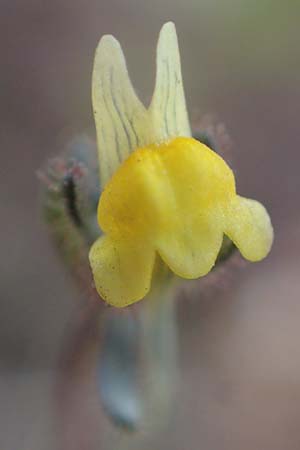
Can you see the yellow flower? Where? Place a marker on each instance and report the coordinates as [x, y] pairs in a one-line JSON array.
[[165, 194]]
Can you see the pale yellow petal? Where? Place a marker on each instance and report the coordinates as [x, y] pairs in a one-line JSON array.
[[121, 119], [250, 228], [168, 108], [192, 252], [122, 270]]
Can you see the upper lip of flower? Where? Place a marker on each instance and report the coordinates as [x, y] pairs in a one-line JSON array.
[[172, 196], [122, 121]]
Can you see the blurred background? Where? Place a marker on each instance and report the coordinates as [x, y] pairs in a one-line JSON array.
[[239, 349]]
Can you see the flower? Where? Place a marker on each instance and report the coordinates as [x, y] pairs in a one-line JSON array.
[[165, 195]]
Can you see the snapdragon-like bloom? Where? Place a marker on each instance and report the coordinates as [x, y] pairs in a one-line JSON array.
[[165, 195]]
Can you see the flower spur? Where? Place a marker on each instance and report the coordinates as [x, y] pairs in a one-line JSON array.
[[165, 195]]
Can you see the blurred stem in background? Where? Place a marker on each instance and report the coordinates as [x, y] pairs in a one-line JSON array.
[[137, 364], [128, 358]]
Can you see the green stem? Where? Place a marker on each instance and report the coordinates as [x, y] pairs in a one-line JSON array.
[[138, 360], [159, 354]]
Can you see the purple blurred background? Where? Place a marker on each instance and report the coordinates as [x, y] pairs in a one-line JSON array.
[[240, 357]]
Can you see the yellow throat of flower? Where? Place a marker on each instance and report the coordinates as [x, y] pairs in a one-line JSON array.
[[165, 193]]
